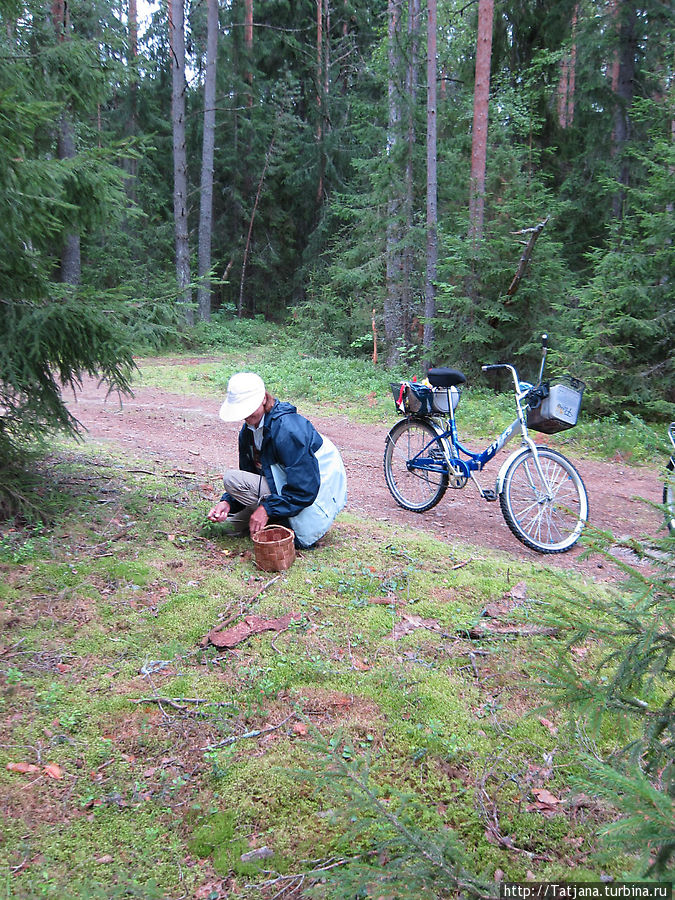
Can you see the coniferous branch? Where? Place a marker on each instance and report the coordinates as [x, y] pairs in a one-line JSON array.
[[396, 853], [630, 638]]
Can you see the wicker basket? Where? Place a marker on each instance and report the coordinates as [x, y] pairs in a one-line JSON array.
[[274, 548]]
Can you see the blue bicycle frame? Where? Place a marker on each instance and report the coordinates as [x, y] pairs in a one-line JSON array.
[[463, 469]]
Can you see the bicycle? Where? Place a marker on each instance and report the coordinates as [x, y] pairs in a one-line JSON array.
[[542, 496], [669, 484]]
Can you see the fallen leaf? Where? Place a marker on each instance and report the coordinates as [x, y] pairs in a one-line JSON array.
[[544, 796], [230, 637], [23, 768], [53, 770], [360, 664], [519, 592], [548, 724], [410, 623]]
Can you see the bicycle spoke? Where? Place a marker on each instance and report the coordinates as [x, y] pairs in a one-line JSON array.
[[414, 487], [546, 515]]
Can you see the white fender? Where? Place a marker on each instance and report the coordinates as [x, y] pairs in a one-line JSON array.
[[507, 462]]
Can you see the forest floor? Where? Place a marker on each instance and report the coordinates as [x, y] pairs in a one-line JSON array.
[[152, 736], [183, 431]]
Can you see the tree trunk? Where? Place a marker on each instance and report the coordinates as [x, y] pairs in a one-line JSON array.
[[393, 312], [180, 205], [247, 187], [625, 89], [411, 93], [432, 186], [566, 84], [481, 98], [319, 99], [248, 43], [70, 268], [130, 163], [206, 189]]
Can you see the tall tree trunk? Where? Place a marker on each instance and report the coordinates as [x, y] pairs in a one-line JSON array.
[[625, 88], [248, 43], [247, 187], [481, 98], [319, 100], [208, 143], [411, 94], [130, 163], [180, 203], [70, 269], [567, 81], [393, 311], [432, 186]]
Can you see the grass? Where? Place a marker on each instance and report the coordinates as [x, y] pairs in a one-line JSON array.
[[159, 762], [362, 391]]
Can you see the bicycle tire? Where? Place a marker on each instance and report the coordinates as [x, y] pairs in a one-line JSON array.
[[669, 496], [414, 489], [549, 521]]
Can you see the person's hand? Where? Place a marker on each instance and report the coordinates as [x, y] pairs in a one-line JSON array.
[[258, 520], [220, 511]]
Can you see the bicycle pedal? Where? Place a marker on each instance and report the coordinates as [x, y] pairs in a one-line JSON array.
[[489, 494]]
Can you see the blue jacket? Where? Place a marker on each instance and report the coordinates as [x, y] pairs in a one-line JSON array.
[[290, 440]]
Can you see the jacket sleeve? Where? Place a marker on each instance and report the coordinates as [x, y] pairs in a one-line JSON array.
[[292, 447], [246, 464]]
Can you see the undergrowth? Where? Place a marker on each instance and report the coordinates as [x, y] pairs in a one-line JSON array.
[[317, 380], [386, 742]]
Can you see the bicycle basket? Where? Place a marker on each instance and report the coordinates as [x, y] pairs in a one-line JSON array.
[[412, 399], [559, 409]]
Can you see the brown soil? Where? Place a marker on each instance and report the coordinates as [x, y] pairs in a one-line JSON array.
[[183, 431]]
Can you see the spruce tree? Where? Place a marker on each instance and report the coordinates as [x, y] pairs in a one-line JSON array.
[[51, 334]]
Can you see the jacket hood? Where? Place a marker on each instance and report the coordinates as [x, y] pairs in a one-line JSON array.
[[280, 408]]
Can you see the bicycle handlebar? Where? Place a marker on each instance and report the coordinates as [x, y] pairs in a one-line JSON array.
[[514, 372]]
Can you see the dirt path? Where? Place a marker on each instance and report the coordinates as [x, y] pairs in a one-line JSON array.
[[184, 431]]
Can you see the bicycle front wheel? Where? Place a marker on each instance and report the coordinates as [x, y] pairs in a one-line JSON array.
[[546, 516], [669, 497], [414, 465]]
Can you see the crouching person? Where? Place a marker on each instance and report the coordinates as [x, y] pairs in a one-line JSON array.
[[288, 473]]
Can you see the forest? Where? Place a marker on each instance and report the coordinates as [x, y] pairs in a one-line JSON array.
[[337, 195], [369, 170]]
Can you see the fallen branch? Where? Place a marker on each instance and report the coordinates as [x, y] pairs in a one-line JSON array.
[[527, 254], [176, 702], [257, 732]]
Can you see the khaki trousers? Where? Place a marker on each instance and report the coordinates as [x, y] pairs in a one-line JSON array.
[[248, 489]]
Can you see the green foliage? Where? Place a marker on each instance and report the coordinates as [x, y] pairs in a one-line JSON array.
[[626, 314], [396, 853], [629, 684]]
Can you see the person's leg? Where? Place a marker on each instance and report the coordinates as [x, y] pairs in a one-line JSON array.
[[248, 489]]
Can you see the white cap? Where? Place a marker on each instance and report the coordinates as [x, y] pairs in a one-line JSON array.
[[245, 393]]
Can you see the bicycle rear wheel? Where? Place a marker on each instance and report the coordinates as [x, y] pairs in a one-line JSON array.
[[669, 496], [548, 517], [415, 487]]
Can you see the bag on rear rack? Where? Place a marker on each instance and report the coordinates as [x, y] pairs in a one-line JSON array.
[[559, 407], [413, 399]]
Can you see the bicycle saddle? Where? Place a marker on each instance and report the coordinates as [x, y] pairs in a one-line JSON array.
[[445, 377]]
